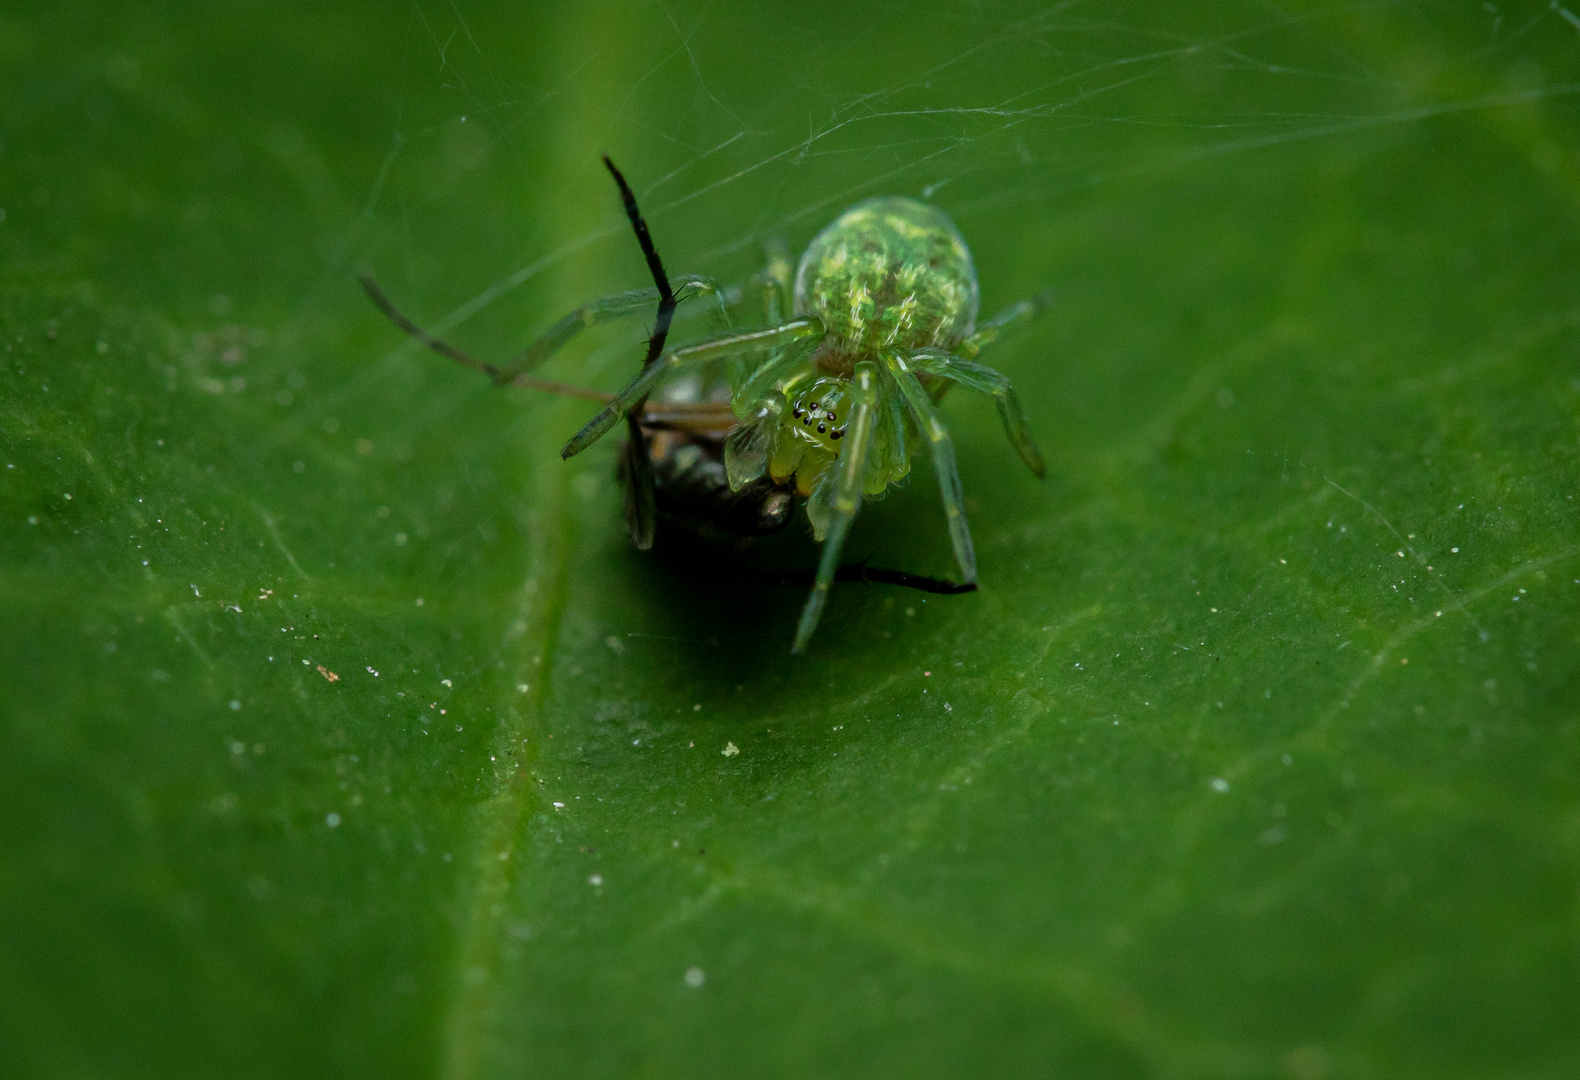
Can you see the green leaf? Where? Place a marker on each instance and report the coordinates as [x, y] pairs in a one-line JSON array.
[[343, 733]]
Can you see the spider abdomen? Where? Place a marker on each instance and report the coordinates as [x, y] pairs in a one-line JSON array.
[[889, 273]]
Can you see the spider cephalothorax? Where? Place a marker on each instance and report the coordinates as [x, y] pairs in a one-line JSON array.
[[826, 402]]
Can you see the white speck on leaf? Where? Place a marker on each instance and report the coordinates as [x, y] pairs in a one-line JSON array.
[[1219, 784], [730, 749], [695, 977]]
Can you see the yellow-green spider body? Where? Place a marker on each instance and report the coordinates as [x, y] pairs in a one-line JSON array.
[[831, 401]]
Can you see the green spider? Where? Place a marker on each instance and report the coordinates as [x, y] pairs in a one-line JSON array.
[[829, 401]]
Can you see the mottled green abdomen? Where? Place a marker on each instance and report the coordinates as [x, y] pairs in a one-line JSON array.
[[889, 273]]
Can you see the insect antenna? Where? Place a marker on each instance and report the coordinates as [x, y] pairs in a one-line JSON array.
[[655, 265], [636, 464]]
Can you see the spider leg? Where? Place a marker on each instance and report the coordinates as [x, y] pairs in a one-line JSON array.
[[1011, 318], [605, 310], [776, 279], [980, 377], [943, 448], [515, 371], [845, 498], [687, 356]]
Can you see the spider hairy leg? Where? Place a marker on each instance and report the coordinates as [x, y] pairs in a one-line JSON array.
[[687, 356], [982, 378], [943, 449], [845, 498], [1014, 317]]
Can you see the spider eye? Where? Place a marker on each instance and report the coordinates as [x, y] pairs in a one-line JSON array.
[[821, 428]]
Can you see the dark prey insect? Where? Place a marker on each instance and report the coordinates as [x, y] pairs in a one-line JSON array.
[[826, 403]]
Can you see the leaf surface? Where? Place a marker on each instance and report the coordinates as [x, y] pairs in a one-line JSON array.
[[344, 734]]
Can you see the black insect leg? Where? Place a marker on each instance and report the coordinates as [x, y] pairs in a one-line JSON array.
[[876, 575], [920, 582], [636, 478]]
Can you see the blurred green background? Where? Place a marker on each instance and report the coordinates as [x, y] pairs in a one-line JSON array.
[[1258, 754]]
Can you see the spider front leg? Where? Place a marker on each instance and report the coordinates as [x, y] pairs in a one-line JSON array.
[[691, 355], [517, 370], [844, 498], [605, 310], [932, 426], [985, 379]]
